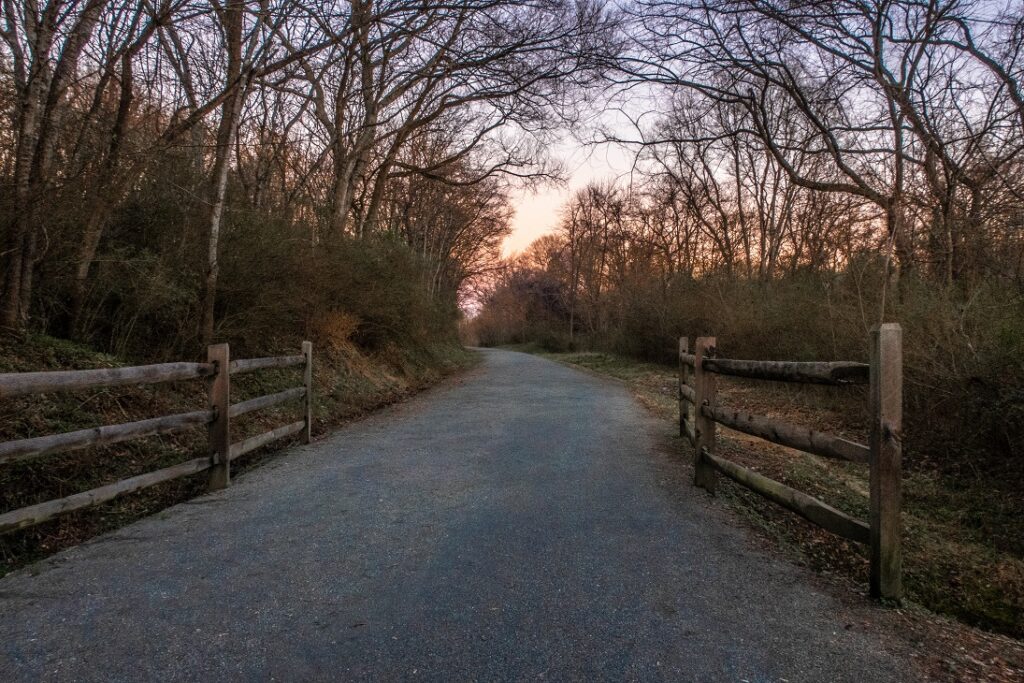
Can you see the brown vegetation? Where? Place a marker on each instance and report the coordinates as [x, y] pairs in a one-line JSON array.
[[182, 171]]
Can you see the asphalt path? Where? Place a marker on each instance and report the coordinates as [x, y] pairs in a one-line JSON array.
[[522, 522]]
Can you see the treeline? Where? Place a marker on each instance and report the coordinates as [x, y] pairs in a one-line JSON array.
[[181, 170], [811, 170]]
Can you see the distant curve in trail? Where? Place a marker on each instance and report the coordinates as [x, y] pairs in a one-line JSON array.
[[518, 523]]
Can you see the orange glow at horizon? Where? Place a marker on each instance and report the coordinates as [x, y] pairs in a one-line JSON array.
[[537, 212], [536, 215]]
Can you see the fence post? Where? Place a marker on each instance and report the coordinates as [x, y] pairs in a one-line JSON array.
[[684, 347], [307, 351], [703, 427], [219, 429], [886, 437]]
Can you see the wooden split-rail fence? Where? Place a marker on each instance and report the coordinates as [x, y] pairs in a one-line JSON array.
[[882, 454], [217, 370]]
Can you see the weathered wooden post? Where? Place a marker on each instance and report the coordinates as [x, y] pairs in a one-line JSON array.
[[307, 351], [219, 429], [704, 427], [684, 348], [886, 438]]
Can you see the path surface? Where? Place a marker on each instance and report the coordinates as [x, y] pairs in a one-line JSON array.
[[520, 523]]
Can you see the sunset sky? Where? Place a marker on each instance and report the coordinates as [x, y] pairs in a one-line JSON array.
[[537, 212]]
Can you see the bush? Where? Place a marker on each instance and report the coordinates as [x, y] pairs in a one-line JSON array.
[[963, 351], [275, 287]]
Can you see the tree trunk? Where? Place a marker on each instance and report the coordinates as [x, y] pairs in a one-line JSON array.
[[233, 20], [341, 196], [12, 315], [17, 253], [38, 114], [218, 193], [109, 188], [86, 256]]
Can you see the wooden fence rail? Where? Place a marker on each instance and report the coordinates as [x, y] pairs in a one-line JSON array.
[[26, 383], [218, 369], [884, 375]]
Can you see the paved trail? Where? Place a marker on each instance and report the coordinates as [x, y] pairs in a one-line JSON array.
[[518, 524]]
